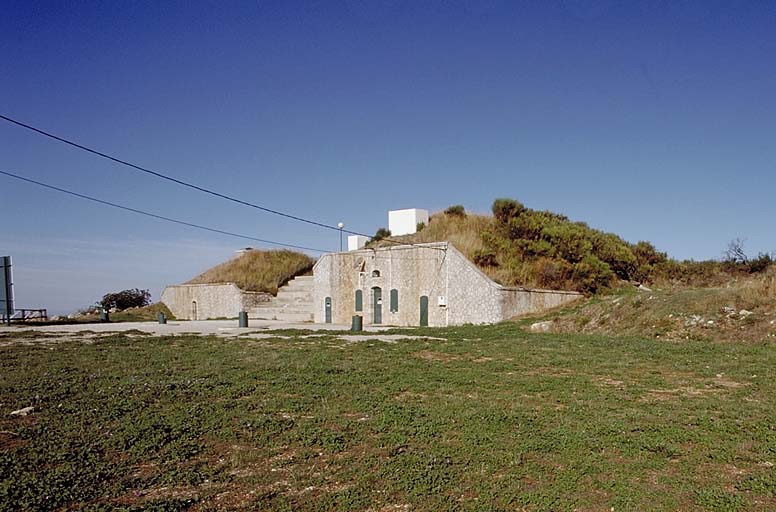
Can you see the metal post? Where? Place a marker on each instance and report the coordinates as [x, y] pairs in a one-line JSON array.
[[340, 226], [6, 281]]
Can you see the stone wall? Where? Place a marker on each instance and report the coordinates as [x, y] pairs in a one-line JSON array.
[[203, 301], [458, 292]]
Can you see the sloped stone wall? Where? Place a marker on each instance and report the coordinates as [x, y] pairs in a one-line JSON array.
[[223, 300], [457, 290]]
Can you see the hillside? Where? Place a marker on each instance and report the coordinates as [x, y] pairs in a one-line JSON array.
[[744, 309], [518, 246], [258, 271]]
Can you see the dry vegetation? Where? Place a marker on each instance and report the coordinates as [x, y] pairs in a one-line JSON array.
[[518, 246], [258, 271], [743, 309]]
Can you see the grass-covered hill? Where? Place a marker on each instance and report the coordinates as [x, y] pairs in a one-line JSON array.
[[743, 309], [518, 246], [258, 271]]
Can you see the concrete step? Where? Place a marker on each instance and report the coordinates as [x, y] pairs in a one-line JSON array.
[[303, 278], [285, 293], [295, 290], [298, 286]]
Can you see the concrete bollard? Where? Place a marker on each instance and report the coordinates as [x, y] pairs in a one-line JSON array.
[[161, 318], [243, 319], [357, 323]]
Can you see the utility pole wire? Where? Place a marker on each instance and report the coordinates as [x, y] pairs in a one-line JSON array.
[[191, 185], [175, 180], [161, 217]]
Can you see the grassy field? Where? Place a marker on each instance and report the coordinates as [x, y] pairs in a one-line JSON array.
[[484, 418]]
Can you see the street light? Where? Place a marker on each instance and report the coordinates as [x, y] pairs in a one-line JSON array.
[[340, 225]]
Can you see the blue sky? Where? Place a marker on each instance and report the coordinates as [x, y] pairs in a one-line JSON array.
[[655, 121]]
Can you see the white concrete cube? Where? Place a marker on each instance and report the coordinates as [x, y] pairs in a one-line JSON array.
[[405, 222], [356, 242]]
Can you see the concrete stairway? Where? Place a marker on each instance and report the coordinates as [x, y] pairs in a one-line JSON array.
[[293, 303]]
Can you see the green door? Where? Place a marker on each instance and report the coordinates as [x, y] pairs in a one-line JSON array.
[[377, 305], [359, 301], [423, 311], [328, 310]]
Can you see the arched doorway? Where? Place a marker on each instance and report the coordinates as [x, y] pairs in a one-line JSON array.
[[328, 310], [359, 301], [194, 311], [377, 305], [424, 311]]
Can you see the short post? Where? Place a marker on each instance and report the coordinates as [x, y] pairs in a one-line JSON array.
[[104, 315], [243, 319], [161, 317], [357, 323]]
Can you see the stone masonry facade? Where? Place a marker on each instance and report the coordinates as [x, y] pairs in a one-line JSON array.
[[393, 282], [204, 301]]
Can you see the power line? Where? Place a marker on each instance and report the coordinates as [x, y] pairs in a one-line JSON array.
[[191, 185], [175, 180], [161, 217]]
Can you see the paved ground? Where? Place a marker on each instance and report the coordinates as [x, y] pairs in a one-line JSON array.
[[258, 330], [221, 327]]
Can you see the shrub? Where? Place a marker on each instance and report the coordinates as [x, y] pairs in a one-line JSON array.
[[505, 209], [552, 273], [527, 226], [485, 258], [126, 299], [419, 226], [592, 274], [381, 234], [456, 210], [761, 263], [646, 254], [570, 241], [613, 251]]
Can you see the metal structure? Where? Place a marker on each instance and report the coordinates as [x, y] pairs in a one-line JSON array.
[[6, 289], [24, 315], [8, 311]]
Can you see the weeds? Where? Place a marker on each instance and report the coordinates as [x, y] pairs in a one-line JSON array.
[[497, 419]]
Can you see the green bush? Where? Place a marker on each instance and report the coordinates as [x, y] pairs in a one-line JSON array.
[[552, 273], [592, 275], [126, 299], [759, 264], [456, 210], [381, 234], [485, 258], [527, 226], [570, 241], [505, 209]]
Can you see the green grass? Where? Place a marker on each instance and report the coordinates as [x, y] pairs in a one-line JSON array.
[[491, 418]]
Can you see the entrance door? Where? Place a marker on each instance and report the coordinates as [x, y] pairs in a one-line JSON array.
[[194, 310], [424, 311], [359, 301], [377, 304], [328, 310]]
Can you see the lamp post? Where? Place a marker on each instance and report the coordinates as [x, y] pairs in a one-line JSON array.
[[341, 225]]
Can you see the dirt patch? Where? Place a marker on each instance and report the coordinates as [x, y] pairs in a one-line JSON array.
[[549, 371], [657, 395], [388, 338], [430, 355], [606, 381]]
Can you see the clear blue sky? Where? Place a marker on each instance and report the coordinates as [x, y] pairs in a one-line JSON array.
[[654, 121]]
